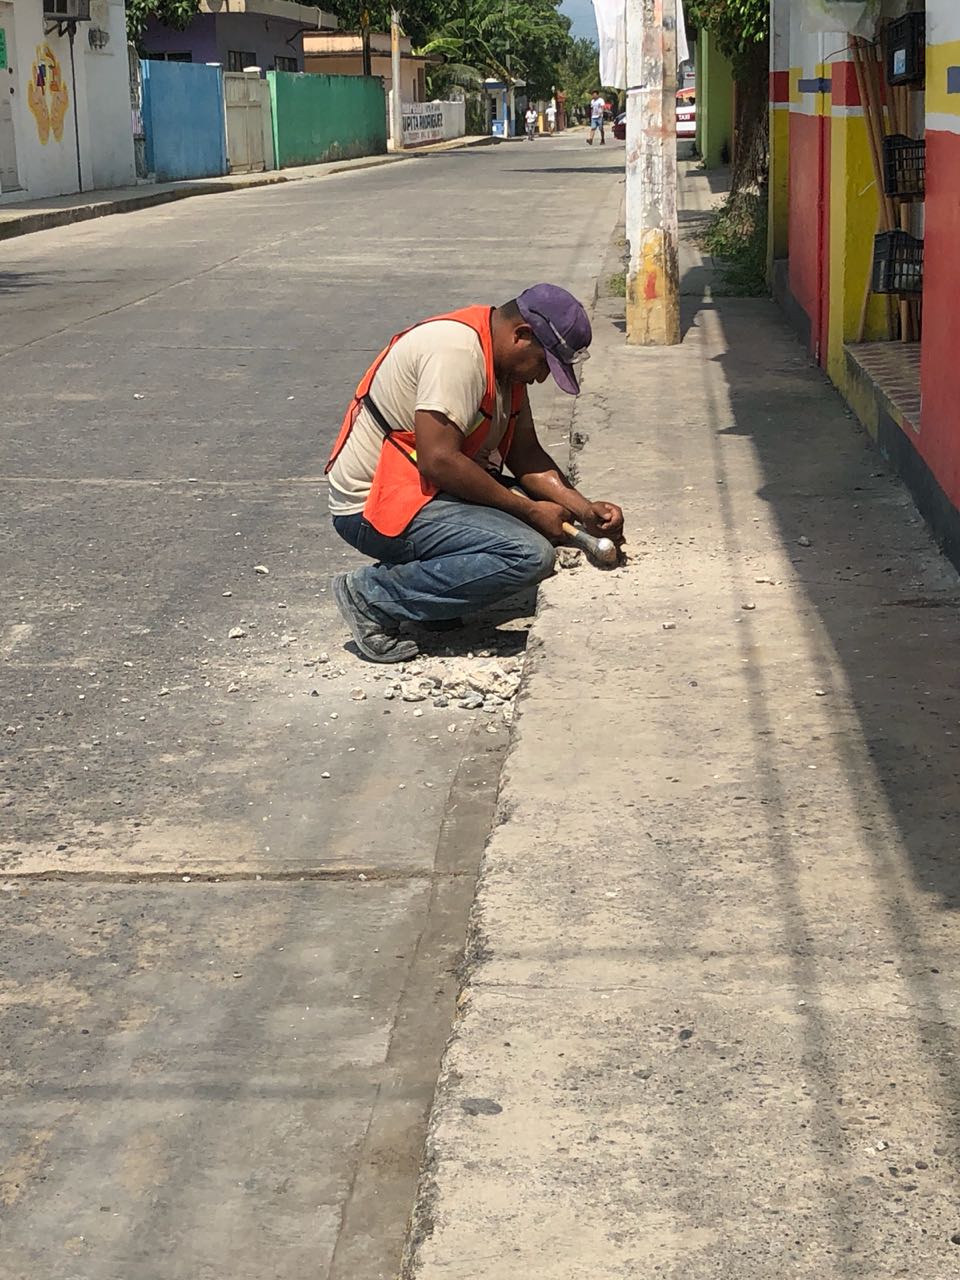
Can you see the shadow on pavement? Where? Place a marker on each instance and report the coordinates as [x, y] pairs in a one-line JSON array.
[[890, 621], [885, 638]]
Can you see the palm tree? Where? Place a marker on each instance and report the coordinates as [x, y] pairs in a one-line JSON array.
[[498, 39]]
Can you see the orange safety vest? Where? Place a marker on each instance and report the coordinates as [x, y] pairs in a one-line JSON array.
[[399, 491]]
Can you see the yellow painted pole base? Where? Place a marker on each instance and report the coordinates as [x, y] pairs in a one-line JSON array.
[[653, 293]]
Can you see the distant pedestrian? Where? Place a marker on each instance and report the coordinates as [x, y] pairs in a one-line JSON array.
[[551, 114], [530, 119], [597, 109]]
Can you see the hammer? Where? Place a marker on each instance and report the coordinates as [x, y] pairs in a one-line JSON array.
[[602, 550]]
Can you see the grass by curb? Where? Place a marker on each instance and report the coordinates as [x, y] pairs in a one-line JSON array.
[[737, 237]]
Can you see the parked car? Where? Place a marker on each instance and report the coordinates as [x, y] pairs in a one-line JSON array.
[[686, 116], [687, 113]]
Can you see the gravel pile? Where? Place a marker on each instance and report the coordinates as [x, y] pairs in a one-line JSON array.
[[482, 682]]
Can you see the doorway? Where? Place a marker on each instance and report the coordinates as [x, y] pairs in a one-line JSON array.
[[9, 173]]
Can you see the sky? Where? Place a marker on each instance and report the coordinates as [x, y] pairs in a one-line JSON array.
[[580, 12]]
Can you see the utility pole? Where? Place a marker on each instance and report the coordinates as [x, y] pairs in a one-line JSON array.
[[653, 280], [396, 95], [367, 63], [508, 130]]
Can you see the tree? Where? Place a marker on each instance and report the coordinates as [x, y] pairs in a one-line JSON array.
[[578, 73], [736, 24], [542, 36], [525, 39], [741, 29], [419, 17], [172, 13]]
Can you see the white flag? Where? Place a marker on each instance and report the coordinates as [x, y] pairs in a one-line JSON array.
[[683, 49], [612, 31]]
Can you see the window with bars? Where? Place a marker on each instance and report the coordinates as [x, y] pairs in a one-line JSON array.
[[237, 59], [281, 63]]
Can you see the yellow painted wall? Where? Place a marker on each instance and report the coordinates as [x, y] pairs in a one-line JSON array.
[[778, 190], [939, 57], [854, 208]]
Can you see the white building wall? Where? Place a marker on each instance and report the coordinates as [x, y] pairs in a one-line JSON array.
[[425, 122], [107, 85], [45, 123], [943, 21]]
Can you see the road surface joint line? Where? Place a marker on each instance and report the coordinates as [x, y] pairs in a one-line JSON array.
[[185, 482], [367, 873]]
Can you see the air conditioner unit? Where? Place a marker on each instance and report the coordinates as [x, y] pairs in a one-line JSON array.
[[66, 10]]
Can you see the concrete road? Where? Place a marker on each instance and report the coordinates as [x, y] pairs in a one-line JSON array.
[[227, 976]]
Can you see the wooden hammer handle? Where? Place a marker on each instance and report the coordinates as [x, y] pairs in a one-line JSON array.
[[580, 537]]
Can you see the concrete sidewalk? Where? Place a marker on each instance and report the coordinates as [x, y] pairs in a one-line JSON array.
[[58, 211], [710, 1022]]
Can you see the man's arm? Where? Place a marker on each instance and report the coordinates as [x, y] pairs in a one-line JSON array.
[[441, 460], [542, 479]]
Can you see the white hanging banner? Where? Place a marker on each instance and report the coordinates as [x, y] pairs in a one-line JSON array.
[[683, 49], [612, 32]]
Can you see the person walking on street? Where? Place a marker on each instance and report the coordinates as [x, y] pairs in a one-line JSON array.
[[597, 109], [530, 119], [416, 471], [551, 114]]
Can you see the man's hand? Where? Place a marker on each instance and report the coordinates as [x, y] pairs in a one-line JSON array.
[[604, 520], [547, 518]]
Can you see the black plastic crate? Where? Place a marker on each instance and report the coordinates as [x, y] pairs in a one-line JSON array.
[[904, 167], [897, 263], [904, 49]]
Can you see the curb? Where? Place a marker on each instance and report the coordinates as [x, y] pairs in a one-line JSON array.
[[48, 219], [421, 1221]]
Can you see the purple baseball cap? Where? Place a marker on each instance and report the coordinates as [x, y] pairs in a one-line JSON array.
[[562, 328]]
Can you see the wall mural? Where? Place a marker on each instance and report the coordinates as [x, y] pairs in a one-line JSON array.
[[47, 94]]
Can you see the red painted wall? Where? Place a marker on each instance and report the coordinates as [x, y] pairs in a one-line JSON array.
[[939, 440], [808, 225]]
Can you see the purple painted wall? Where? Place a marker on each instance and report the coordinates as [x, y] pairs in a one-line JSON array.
[[266, 37], [199, 39], [211, 37]]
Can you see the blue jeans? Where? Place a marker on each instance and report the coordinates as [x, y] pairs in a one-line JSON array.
[[453, 558]]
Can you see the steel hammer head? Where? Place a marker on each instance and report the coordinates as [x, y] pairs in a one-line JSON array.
[[605, 552], [602, 550]]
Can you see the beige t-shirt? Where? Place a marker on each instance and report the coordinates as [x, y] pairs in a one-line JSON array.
[[437, 366]]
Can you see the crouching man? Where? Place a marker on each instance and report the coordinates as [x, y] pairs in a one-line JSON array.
[[416, 472]]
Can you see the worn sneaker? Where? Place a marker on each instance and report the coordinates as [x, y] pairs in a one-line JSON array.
[[372, 639]]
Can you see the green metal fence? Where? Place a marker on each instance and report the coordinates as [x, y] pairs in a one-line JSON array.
[[320, 118]]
